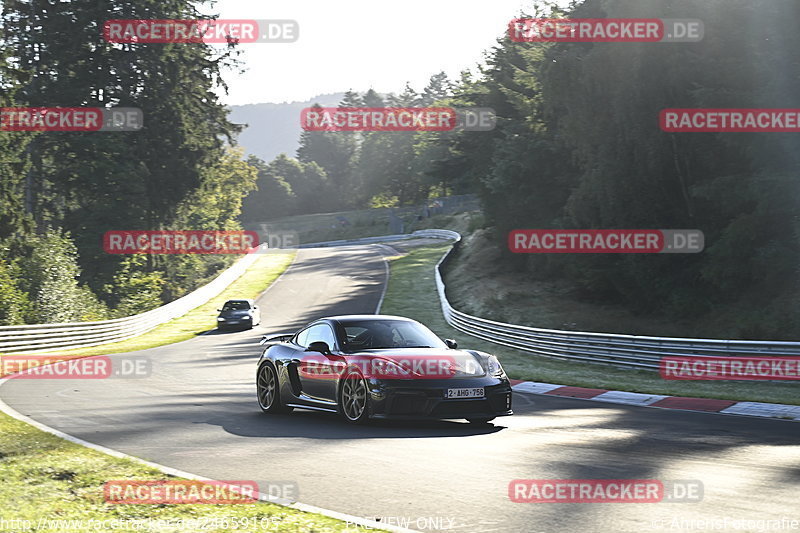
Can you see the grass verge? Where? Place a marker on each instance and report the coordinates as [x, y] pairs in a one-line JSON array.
[[48, 481], [412, 293]]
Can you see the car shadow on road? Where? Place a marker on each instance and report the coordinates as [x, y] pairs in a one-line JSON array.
[[217, 331], [316, 425]]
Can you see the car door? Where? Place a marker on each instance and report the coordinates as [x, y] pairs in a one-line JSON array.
[[318, 372]]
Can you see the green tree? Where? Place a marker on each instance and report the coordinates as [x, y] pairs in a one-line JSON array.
[[14, 157], [14, 303], [307, 181], [134, 289], [49, 274], [335, 152], [166, 175], [272, 198]]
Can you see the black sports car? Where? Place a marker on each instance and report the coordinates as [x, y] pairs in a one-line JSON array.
[[377, 366], [238, 314]]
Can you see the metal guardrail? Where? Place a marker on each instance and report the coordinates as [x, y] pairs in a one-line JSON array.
[[622, 350], [362, 240], [46, 337], [424, 233]]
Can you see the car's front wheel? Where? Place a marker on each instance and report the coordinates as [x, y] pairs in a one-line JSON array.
[[354, 398], [268, 390]]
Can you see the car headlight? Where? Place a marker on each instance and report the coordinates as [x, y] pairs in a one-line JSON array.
[[220, 319], [494, 367]]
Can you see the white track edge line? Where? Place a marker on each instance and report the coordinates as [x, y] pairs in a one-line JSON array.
[[13, 413], [387, 273]]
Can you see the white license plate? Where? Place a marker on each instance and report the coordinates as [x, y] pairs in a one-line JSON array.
[[465, 393]]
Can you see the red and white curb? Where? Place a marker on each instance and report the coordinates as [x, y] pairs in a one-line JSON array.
[[728, 407]]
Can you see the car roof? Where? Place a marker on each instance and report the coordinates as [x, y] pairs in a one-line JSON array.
[[343, 319], [240, 300]]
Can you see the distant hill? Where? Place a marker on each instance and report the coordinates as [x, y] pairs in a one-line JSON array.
[[274, 128]]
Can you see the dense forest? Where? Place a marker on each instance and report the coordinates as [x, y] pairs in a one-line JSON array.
[[62, 190], [577, 145]]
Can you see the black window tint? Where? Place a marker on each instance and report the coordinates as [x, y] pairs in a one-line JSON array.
[[236, 306]]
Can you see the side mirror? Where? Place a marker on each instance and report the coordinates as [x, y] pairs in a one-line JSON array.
[[451, 344], [219, 310], [319, 346]]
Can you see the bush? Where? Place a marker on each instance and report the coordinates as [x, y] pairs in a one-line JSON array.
[[48, 273], [14, 303], [135, 290]]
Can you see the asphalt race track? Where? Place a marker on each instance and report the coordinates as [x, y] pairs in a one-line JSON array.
[[197, 412]]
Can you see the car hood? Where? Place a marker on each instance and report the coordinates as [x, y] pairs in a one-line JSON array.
[[234, 313], [419, 363]]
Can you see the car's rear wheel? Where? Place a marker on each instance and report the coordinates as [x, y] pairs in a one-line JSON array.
[[268, 390], [354, 398]]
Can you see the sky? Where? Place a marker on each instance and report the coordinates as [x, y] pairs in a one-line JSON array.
[[362, 44]]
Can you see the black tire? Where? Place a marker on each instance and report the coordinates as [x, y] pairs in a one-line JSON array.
[[480, 421], [354, 398], [268, 390]]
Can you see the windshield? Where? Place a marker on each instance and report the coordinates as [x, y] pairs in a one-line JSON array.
[[236, 306], [377, 334]]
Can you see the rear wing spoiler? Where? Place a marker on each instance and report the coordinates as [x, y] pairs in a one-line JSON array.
[[277, 337]]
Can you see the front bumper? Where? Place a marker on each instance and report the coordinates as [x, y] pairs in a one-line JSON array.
[[235, 322], [415, 399]]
